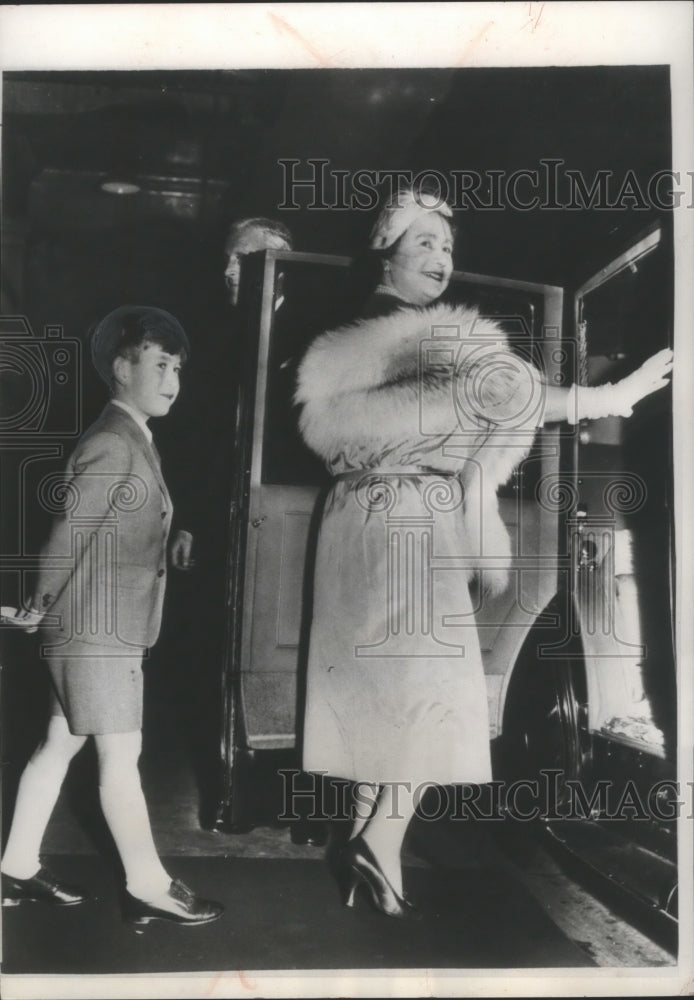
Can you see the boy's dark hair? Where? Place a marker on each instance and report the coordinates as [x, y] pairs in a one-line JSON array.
[[126, 330]]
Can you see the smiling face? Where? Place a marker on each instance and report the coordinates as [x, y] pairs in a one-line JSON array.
[[251, 240], [420, 267], [151, 383]]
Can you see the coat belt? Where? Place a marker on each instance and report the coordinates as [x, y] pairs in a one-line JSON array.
[[399, 470]]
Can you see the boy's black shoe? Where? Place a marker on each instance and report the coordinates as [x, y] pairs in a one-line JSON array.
[[43, 887], [178, 903]]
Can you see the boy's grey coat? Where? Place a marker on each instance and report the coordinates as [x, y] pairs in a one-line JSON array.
[[103, 570]]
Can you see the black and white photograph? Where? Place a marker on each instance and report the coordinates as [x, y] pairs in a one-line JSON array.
[[346, 386]]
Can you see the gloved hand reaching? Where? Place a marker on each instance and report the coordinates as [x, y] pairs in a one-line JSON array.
[[618, 399]]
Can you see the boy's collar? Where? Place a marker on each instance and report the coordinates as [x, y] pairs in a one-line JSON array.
[[137, 417]]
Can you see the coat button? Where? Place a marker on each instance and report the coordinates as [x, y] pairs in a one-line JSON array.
[[160, 572], [163, 514]]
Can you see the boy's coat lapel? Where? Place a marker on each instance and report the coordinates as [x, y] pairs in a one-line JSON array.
[[129, 426]]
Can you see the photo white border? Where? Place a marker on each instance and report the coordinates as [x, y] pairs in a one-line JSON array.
[[385, 35]]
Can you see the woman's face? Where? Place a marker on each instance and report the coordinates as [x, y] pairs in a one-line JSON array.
[[420, 268]]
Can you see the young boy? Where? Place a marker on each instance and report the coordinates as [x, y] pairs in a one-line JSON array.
[[99, 596]]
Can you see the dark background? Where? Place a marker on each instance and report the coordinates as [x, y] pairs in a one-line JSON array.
[[206, 145]]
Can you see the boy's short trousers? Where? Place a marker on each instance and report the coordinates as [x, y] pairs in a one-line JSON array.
[[98, 690]]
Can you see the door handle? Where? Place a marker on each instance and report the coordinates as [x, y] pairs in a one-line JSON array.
[[587, 554], [586, 549], [258, 521]]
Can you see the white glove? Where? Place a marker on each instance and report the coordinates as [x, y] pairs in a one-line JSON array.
[[28, 619], [618, 400]]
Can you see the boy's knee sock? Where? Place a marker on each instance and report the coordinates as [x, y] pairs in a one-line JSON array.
[[38, 792], [125, 810]]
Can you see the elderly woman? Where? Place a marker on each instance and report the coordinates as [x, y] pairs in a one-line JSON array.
[[418, 441]]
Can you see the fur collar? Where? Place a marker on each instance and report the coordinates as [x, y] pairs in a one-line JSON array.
[[368, 353]]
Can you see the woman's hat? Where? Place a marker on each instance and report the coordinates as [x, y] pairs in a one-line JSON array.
[[400, 212]]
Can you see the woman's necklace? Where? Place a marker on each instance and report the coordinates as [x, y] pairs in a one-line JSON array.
[[389, 290]]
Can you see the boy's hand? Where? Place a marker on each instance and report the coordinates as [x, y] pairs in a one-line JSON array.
[[181, 549], [28, 619]]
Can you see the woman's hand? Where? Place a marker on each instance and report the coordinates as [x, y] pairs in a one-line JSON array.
[[653, 374], [588, 402], [181, 550]]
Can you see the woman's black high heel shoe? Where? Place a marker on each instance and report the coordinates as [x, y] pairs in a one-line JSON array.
[[358, 866]]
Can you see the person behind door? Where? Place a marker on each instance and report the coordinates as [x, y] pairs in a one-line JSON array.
[[196, 533], [250, 236], [244, 236], [201, 487], [99, 599]]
